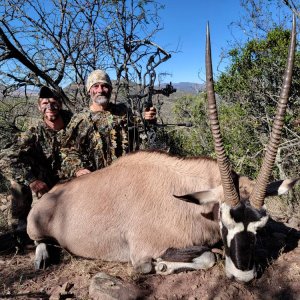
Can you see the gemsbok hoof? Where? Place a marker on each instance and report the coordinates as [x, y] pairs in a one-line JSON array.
[[144, 266], [41, 257]]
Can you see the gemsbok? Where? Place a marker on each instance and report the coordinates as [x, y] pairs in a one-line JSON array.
[[156, 210]]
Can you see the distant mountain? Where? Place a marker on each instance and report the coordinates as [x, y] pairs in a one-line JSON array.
[[189, 87], [30, 92]]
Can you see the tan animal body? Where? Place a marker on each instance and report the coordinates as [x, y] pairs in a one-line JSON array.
[[128, 211]]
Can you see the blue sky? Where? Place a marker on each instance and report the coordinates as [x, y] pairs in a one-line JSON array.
[[185, 25]]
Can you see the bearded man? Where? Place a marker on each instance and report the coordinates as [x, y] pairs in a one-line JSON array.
[[35, 160], [101, 133]]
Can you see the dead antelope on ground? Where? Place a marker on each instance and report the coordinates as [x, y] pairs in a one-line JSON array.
[[155, 210]]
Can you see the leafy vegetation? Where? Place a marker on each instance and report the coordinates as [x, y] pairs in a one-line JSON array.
[[237, 130], [189, 141]]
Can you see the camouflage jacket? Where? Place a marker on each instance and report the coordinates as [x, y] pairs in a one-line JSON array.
[[36, 155], [95, 139]]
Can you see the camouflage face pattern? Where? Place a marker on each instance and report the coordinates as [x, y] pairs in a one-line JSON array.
[[50, 108]]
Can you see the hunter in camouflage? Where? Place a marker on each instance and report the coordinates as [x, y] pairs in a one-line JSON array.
[[33, 164], [102, 133], [38, 153]]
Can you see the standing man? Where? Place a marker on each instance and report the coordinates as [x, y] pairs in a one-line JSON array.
[[35, 161], [102, 133]]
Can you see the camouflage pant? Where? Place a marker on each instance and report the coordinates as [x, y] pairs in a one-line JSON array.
[[21, 200]]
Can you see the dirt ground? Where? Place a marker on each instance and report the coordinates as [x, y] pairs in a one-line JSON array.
[[277, 257]]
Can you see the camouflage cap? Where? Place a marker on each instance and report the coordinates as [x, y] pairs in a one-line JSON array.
[[97, 76], [46, 92]]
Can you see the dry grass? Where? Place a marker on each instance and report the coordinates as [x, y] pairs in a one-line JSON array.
[[19, 279]]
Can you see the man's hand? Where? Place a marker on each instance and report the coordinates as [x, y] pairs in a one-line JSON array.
[[39, 187], [150, 114], [82, 172]]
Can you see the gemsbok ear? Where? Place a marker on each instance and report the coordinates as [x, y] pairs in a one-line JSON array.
[[203, 197], [281, 187], [194, 198]]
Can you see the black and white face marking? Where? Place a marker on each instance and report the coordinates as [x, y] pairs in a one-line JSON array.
[[238, 229]]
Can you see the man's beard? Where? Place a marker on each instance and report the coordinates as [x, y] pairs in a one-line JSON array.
[[101, 99]]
